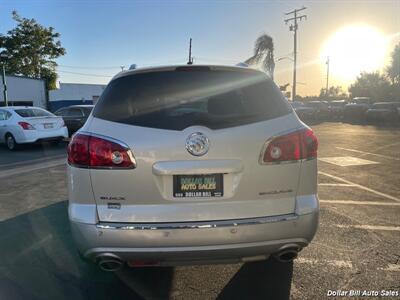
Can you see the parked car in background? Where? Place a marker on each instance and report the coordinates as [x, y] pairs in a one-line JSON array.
[[383, 112], [336, 109], [192, 164], [303, 112], [23, 124], [357, 108], [74, 116], [321, 109]]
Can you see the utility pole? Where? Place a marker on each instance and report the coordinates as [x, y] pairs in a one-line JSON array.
[[327, 77], [190, 61], [293, 27], [4, 85]]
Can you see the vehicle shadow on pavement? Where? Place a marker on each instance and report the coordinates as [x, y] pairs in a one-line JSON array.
[[38, 261], [268, 279]]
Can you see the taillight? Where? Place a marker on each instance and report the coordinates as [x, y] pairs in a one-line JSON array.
[[78, 151], [88, 151], [26, 126], [294, 146]]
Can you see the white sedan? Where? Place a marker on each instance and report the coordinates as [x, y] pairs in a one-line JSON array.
[[23, 124]]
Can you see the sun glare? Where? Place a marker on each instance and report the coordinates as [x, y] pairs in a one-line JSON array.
[[354, 49]]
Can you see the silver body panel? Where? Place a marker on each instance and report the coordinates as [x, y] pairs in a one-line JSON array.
[[250, 189]]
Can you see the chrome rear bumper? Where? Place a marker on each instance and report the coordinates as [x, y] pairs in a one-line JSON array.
[[196, 242]]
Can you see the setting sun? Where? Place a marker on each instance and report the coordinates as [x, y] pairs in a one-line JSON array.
[[353, 49]]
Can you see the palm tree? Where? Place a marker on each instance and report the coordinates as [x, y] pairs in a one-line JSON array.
[[264, 54]]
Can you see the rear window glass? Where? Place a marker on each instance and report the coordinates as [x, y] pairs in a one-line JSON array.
[[32, 112], [383, 106], [337, 104], [87, 110], [362, 101], [297, 104], [175, 100], [316, 104]]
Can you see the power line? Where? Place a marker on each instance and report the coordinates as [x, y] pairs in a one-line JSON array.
[[85, 74], [89, 67], [293, 27]]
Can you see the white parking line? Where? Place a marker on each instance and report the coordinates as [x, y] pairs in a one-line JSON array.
[[335, 184], [360, 202], [387, 146], [30, 161], [347, 264], [33, 167], [369, 153], [370, 227], [335, 263], [391, 268], [360, 186], [347, 161]]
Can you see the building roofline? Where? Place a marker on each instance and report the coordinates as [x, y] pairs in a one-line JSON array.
[[23, 76], [102, 84]]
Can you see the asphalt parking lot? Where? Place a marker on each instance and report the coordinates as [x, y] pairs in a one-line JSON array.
[[356, 248]]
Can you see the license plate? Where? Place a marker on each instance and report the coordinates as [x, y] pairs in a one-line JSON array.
[[47, 125], [194, 186]]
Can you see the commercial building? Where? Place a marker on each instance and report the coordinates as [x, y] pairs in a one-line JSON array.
[[73, 94], [23, 90]]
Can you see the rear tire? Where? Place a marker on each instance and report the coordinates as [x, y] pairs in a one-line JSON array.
[[11, 143]]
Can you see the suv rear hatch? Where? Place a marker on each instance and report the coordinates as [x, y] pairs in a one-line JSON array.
[[156, 113]]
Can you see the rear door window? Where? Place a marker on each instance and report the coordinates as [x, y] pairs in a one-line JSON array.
[[3, 115], [175, 100], [87, 110], [32, 112], [60, 112], [74, 112]]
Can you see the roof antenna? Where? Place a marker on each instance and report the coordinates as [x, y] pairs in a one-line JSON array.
[[190, 61]]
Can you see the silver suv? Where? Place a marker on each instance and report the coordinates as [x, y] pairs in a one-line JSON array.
[[192, 164]]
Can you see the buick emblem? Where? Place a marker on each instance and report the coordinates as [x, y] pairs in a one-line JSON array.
[[197, 144]]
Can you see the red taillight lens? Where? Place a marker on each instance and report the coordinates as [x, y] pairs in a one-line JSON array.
[[78, 150], [26, 126], [294, 146], [105, 153], [96, 152], [309, 144]]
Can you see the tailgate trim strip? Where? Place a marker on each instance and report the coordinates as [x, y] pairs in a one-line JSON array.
[[198, 225]]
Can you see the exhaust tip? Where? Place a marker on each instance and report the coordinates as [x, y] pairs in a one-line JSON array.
[[109, 263], [287, 255]]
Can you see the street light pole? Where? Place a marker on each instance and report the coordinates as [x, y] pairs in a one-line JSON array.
[[4, 85], [327, 77], [190, 59], [293, 27]]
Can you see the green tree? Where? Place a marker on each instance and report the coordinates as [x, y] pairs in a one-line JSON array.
[[334, 92], [393, 70], [264, 54], [30, 49], [374, 85]]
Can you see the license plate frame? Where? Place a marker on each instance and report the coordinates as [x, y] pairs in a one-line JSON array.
[[198, 186], [48, 125]]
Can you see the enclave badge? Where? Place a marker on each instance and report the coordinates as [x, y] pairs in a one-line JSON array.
[[197, 144]]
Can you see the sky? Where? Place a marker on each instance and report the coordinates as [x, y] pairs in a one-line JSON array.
[[101, 36]]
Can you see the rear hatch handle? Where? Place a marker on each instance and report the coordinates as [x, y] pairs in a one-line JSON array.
[[189, 167]]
